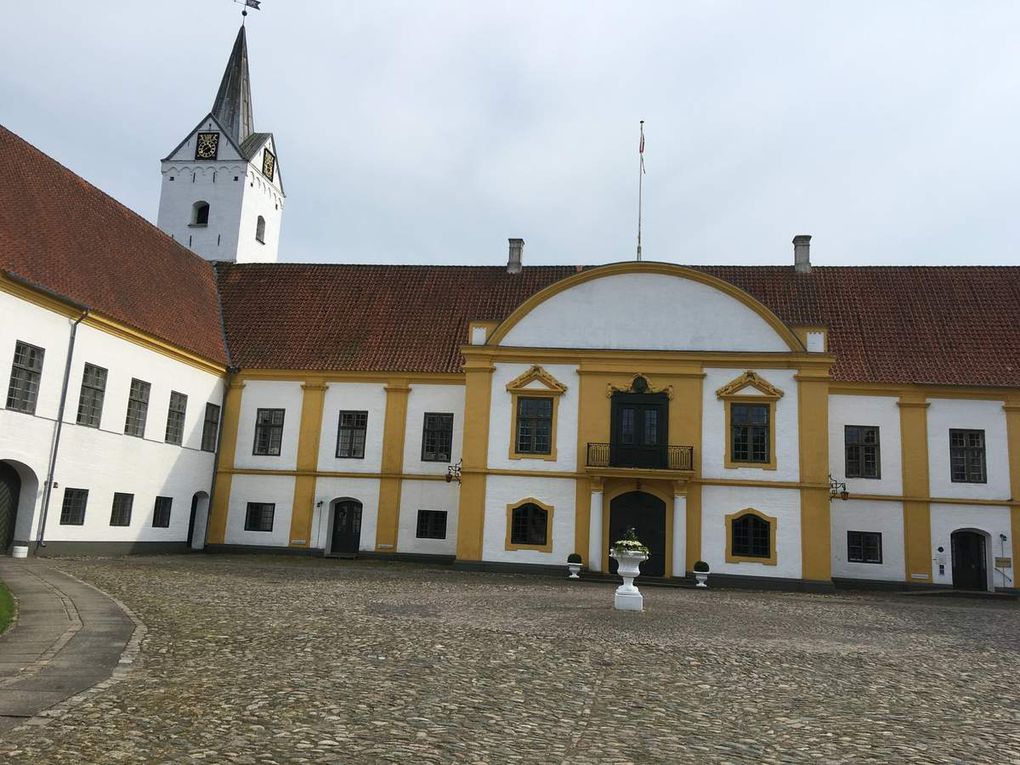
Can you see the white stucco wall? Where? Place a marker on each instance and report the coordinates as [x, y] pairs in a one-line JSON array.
[[649, 311], [328, 489], [269, 394], [882, 412], [434, 399], [357, 397], [783, 504], [714, 434], [945, 519], [501, 419], [503, 490], [102, 460], [277, 489], [989, 416], [427, 495], [886, 518]]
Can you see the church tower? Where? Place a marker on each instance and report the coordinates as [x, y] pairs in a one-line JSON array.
[[222, 194]]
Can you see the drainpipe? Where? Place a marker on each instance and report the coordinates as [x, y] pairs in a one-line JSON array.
[[55, 446]]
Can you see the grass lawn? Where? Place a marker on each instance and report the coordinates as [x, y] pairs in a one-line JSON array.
[[6, 608]]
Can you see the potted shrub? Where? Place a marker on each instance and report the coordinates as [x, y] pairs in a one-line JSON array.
[[629, 554], [574, 565], [701, 573]]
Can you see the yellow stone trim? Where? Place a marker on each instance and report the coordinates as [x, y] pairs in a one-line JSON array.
[[924, 391], [728, 403], [773, 523], [98, 320], [815, 504], [394, 432], [1012, 409], [520, 383], [663, 490], [475, 456], [220, 503], [667, 389], [517, 388], [632, 267], [341, 376], [549, 509], [303, 507], [749, 379], [623, 361], [916, 512]]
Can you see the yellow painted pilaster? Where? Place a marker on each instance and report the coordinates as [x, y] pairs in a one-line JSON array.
[[303, 507], [815, 521], [394, 429], [1012, 408], [685, 418], [916, 512], [225, 462], [477, 398]]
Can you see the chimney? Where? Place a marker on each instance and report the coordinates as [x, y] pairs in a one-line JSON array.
[[802, 253], [513, 264]]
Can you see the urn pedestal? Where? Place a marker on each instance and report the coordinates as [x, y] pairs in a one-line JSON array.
[[628, 597], [575, 570]]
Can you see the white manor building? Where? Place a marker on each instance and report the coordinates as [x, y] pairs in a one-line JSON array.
[[795, 425]]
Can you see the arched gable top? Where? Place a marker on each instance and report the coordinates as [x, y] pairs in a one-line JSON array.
[[645, 306]]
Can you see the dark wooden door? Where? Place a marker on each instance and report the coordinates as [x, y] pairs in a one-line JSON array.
[[191, 521], [346, 527], [970, 571], [647, 514], [639, 431], [10, 493]]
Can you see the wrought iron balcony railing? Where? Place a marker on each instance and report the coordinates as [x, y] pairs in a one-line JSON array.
[[672, 457]]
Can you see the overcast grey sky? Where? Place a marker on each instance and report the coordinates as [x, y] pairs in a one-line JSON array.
[[429, 132]]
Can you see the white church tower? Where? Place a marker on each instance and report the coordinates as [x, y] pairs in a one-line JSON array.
[[222, 194]]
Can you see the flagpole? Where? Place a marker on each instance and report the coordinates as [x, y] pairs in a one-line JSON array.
[[640, 188]]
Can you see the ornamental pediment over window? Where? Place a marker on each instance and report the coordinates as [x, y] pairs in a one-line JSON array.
[[536, 380], [639, 383], [749, 384]]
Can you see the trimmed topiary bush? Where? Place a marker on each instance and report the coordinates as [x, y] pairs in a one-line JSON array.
[[701, 567], [574, 558]]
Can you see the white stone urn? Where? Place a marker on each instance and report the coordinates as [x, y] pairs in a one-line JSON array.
[[628, 597], [575, 570], [702, 577]]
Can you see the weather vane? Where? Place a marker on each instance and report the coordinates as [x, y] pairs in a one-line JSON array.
[[248, 4]]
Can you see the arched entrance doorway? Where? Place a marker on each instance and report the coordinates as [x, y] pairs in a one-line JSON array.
[[345, 524], [970, 559], [198, 520], [10, 497], [647, 514]]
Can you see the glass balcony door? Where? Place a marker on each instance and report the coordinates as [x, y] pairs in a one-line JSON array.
[[639, 430]]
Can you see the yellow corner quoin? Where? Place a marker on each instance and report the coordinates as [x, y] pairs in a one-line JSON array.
[[303, 508], [815, 503], [518, 389], [549, 510], [110, 326], [394, 430], [1012, 409], [773, 523], [768, 395], [916, 513], [220, 505], [634, 267], [478, 371]]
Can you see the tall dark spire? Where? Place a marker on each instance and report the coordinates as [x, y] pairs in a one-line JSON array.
[[232, 108]]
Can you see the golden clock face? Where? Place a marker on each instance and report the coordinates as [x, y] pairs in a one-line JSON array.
[[268, 164], [207, 145]]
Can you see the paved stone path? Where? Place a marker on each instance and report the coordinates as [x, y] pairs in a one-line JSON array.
[[68, 638], [279, 660]]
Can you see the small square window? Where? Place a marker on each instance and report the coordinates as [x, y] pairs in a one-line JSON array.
[[259, 516], [863, 547], [431, 524], [72, 513]]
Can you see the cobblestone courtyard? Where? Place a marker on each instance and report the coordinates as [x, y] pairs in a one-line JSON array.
[[270, 659]]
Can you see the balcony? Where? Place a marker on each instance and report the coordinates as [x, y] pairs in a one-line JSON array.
[[670, 457]]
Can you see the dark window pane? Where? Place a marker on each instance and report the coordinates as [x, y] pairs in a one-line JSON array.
[[176, 413], [259, 516], [210, 427], [268, 432], [26, 373], [161, 512], [137, 409], [90, 401], [863, 547], [862, 451], [967, 456], [534, 425], [350, 441], [749, 433], [72, 512], [751, 537], [121, 513], [529, 525], [431, 524], [437, 437]]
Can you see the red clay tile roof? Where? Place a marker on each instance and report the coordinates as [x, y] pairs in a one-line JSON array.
[[942, 326], [59, 232]]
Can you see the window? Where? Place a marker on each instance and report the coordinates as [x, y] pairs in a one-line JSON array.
[[260, 230], [437, 437], [350, 439], [967, 456], [138, 408], [200, 214], [121, 513], [25, 375], [210, 427], [72, 513], [863, 547], [259, 516], [751, 537], [534, 425], [431, 524], [749, 432], [529, 525], [90, 402], [268, 432], [161, 512], [862, 459], [175, 418]]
